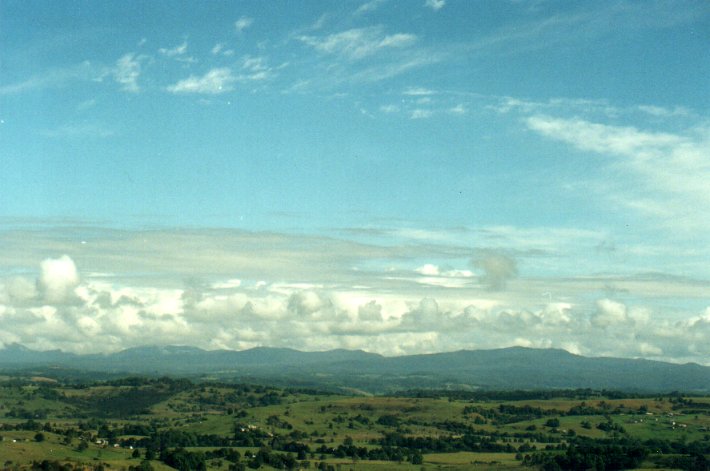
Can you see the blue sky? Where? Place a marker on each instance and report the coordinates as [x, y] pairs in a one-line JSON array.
[[395, 176]]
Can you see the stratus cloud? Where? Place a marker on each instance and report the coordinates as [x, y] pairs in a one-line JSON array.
[[214, 82]]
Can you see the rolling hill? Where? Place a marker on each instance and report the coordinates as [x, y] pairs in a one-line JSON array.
[[506, 368]]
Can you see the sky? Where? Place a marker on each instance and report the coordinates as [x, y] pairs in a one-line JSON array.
[[400, 177]]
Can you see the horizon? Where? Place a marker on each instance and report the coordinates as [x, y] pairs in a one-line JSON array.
[[265, 347], [392, 177]]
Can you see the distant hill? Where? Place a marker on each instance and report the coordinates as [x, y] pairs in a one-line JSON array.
[[506, 368]]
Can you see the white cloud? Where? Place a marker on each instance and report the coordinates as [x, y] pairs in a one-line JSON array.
[[389, 108], [79, 130], [85, 71], [178, 50], [420, 114], [219, 49], [660, 111], [127, 71], [666, 173], [359, 43], [243, 23], [458, 109], [58, 277], [105, 317], [21, 289], [86, 105], [627, 141], [609, 313], [258, 66], [497, 268], [249, 289], [368, 7], [417, 91], [428, 269], [214, 82], [435, 5]]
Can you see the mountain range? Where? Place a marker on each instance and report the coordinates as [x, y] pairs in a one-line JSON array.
[[505, 368]]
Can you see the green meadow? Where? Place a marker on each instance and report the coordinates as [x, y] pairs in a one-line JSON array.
[[139, 423]]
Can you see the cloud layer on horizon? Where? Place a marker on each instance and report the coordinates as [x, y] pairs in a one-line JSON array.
[[393, 311]]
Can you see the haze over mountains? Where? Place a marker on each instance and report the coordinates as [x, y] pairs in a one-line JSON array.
[[506, 368]]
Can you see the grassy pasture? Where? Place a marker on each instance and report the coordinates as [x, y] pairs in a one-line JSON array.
[[327, 420]]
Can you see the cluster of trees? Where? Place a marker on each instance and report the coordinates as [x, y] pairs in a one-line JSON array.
[[384, 453], [22, 413], [624, 453], [520, 395], [467, 442], [692, 462], [591, 455]]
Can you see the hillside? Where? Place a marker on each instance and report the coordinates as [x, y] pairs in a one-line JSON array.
[[507, 368]]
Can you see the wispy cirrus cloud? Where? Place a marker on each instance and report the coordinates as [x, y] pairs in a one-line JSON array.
[[80, 131], [435, 5], [220, 49], [669, 171], [214, 82], [370, 6], [243, 23], [178, 50], [418, 91], [178, 53], [358, 43], [542, 31], [127, 71], [85, 71]]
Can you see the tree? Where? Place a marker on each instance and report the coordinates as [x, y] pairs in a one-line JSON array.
[[39, 437], [554, 422]]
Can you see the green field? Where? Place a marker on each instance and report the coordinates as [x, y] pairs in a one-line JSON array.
[[116, 425]]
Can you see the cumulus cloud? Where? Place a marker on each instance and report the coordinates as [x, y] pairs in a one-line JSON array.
[[370, 312], [58, 277], [234, 289], [21, 289], [104, 317], [214, 82], [609, 313], [497, 268]]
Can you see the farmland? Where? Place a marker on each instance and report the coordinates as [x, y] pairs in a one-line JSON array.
[[143, 423]]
